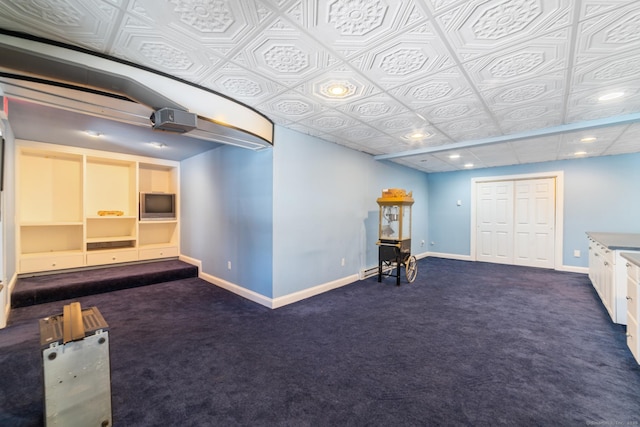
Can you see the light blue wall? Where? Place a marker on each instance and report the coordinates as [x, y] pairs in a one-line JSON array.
[[226, 215], [600, 194], [325, 209]]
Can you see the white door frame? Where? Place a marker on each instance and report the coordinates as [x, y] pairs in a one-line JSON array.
[[559, 208]]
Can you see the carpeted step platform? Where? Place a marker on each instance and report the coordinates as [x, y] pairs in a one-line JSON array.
[[56, 287]]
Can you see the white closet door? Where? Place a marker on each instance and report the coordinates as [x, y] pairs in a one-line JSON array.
[[534, 225], [494, 222]]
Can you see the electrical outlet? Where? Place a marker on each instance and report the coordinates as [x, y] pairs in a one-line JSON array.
[[576, 253], [342, 262], [228, 265]]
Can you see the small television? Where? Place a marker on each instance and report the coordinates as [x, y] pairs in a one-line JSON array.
[[157, 206]]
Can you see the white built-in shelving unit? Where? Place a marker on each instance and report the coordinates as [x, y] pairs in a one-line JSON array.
[[62, 189]]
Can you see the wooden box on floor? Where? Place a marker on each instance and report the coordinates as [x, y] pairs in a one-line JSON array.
[[75, 359]]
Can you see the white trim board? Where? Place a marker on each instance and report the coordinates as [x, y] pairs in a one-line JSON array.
[[559, 212], [264, 300]]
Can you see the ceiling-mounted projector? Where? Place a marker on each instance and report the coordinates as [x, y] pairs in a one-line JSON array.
[[173, 120]]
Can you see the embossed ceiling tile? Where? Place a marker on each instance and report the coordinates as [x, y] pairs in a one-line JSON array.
[[524, 92], [328, 121], [628, 142], [472, 135], [607, 73], [400, 124], [319, 87], [292, 105], [453, 110], [549, 110], [356, 132], [349, 26], [480, 27], [495, 154], [88, 24], [432, 90], [165, 53], [291, 59], [510, 128], [520, 63], [373, 108], [536, 149], [586, 106], [242, 85], [592, 8], [218, 21], [610, 33], [407, 57]]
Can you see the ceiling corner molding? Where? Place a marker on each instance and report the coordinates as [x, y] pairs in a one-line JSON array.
[[35, 57]]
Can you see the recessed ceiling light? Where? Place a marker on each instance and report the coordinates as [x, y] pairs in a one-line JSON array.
[[337, 90], [468, 165], [158, 145], [93, 133], [610, 96], [588, 139], [454, 156], [579, 153]]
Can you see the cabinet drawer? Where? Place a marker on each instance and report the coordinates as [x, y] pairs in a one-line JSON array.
[[632, 338], [47, 263], [153, 253], [112, 257]]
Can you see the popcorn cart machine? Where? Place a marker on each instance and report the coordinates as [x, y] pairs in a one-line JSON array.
[[394, 244]]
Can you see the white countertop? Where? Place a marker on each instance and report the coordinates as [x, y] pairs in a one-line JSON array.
[[617, 241], [633, 258]]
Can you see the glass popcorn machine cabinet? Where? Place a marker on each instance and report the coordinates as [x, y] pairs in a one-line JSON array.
[[394, 244]]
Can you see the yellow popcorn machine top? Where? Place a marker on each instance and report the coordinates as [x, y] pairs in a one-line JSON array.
[[394, 235]]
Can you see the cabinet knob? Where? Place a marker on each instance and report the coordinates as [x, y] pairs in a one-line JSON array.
[[113, 258], [53, 264], [629, 335], [606, 263], [628, 265], [629, 298]]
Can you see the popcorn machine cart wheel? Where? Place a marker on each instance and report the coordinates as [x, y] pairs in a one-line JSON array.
[[391, 257], [394, 243]]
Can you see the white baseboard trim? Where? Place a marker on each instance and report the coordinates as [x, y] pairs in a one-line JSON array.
[[573, 269], [191, 261], [238, 290], [450, 256], [310, 292], [263, 300]]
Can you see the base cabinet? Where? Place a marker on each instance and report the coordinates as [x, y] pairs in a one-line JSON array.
[[78, 207], [608, 274], [633, 307]]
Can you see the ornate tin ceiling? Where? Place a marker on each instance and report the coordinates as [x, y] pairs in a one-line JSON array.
[[497, 82]]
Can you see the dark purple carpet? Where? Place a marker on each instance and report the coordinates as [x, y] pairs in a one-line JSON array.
[[470, 344], [56, 287]]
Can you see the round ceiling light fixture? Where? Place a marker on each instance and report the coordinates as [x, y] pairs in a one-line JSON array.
[[588, 139]]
